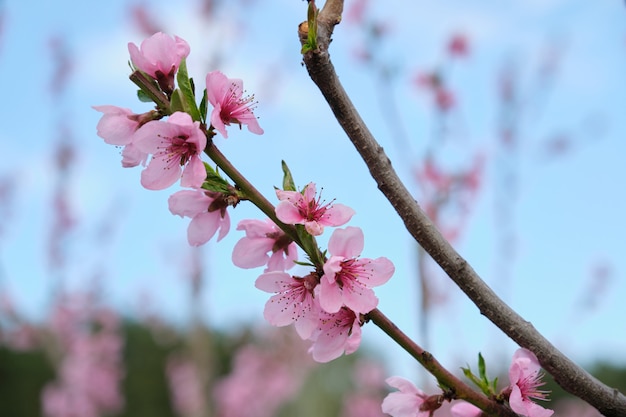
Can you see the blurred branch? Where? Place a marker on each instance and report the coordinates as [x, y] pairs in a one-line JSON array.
[[568, 375]]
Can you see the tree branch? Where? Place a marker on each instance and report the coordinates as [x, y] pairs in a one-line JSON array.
[[567, 374]]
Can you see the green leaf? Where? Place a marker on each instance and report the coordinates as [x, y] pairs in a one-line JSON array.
[[203, 107], [177, 102], [288, 183], [482, 369], [311, 42], [186, 88], [144, 97], [213, 181]]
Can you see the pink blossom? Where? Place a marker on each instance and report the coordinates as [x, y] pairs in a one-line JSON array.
[[407, 402], [336, 333], [263, 237], [229, 105], [293, 303], [207, 213], [525, 377], [186, 387], [348, 280], [260, 382], [159, 55], [117, 127], [174, 143], [458, 46], [303, 208], [465, 409]]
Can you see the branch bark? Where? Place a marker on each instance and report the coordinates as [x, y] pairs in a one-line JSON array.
[[609, 401]]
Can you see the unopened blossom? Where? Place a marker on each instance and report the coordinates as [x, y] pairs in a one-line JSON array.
[[117, 126], [407, 401], [465, 409], [348, 279], [525, 378], [336, 334], [263, 238], [207, 212], [294, 301], [160, 56], [229, 104], [307, 209], [174, 144]]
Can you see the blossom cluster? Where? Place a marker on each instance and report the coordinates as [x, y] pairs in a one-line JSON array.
[[169, 141], [525, 381], [326, 305]]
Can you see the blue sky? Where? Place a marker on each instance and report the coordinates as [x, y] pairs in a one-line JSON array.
[[568, 216]]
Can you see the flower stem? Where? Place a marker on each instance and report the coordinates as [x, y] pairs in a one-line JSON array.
[[151, 90]]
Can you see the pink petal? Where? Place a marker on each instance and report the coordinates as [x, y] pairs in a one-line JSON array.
[[314, 228], [188, 203], [382, 269], [216, 84], [278, 312], [348, 242], [288, 213], [114, 126], [194, 173], [202, 228], [337, 215], [160, 174], [331, 299], [224, 225], [273, 282], [361, 300], [251, 253], [465, 409]]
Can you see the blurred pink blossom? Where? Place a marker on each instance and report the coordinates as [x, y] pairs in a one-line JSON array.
[[258, 385], [186, 387]]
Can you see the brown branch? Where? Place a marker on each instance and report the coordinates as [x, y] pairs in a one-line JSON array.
[[444, 377], [567, 374]]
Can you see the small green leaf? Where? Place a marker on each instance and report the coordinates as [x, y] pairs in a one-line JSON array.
[[311, 42], [213, 181], [288, 183], [482, 369], [144, 97], [177, 102], [187, 91], [203, 107]]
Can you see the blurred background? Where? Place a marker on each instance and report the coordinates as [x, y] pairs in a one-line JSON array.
[[506, 120]]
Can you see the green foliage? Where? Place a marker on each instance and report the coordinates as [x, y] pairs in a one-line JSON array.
[[22, 377], [186, 89], [214, 182], [288, 182]]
